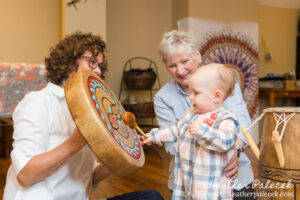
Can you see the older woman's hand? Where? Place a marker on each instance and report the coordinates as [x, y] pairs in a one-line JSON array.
[[231, 169]]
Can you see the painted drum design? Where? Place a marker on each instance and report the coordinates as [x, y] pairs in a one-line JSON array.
[[98, 115]]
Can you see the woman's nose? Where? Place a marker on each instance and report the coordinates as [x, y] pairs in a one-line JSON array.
[[180, 69], [97, 71]]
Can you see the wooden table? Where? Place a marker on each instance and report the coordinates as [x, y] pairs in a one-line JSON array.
[[6, 131], [272, 94]]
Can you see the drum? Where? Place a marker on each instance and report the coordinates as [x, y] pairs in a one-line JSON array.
[[279, 167], [98, 115]]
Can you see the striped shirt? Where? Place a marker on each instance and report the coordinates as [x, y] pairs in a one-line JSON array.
[[200, 159]]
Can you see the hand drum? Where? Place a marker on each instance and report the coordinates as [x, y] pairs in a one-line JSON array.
[[98, 115]]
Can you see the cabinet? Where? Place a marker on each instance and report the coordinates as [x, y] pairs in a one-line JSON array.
[[140, 81], [272, 94]]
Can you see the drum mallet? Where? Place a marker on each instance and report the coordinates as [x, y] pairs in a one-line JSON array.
[[129, 119]]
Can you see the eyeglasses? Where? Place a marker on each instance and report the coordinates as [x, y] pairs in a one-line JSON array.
[[94, 64]]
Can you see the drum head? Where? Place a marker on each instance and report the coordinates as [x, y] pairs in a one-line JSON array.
[[98, 115], [282, 110]]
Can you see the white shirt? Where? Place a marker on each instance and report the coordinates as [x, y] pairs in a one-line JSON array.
[[42, 121]]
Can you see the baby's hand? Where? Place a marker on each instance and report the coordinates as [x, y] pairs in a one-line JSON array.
[[194, 127], [146, 139]]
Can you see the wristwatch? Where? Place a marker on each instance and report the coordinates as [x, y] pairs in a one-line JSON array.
[[238, 152]]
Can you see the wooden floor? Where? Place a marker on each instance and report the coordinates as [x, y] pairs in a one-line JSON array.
[[154, 175]]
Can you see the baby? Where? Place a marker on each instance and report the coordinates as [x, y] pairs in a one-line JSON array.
[[205, 137]]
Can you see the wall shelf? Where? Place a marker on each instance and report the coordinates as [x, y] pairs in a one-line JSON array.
[[140, 80]]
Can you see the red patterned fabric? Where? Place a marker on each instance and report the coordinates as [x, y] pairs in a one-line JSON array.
[[16, 80]]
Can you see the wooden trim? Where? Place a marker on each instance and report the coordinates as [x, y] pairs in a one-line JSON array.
[[63, 19], [8, 121]]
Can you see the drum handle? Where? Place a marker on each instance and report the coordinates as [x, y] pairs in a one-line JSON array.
[[248, 137], [276, 138], [251, 142], [141, 132], [282, 119], [278, 147]]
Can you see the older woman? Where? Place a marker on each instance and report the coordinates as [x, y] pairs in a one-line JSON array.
[[50, 159], [181, 56]]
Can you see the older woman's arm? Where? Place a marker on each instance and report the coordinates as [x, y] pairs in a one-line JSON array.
[[236, 105]]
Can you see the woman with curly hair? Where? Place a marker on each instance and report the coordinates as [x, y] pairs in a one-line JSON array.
[[50, 158]]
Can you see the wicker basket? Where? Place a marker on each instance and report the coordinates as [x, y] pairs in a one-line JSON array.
[[141, 109], [139, 79]]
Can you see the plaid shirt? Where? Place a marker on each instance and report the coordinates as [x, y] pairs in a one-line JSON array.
[[200, 159]]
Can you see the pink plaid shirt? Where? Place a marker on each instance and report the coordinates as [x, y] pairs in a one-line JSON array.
[[200, 159]]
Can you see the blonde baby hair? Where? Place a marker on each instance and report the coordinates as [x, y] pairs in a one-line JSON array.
[[224, 77]]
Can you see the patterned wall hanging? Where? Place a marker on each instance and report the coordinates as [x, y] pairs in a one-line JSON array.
[[16, 80]]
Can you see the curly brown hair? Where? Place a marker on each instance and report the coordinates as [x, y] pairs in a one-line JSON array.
[[63, 56]]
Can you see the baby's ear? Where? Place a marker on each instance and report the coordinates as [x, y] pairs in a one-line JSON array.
[[218, 96]]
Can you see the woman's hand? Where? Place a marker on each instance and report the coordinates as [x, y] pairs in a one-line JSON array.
[[231, 169], [239, 143], [100, 173]]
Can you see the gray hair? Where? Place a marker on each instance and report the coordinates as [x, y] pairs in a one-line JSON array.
[[173, 40]]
